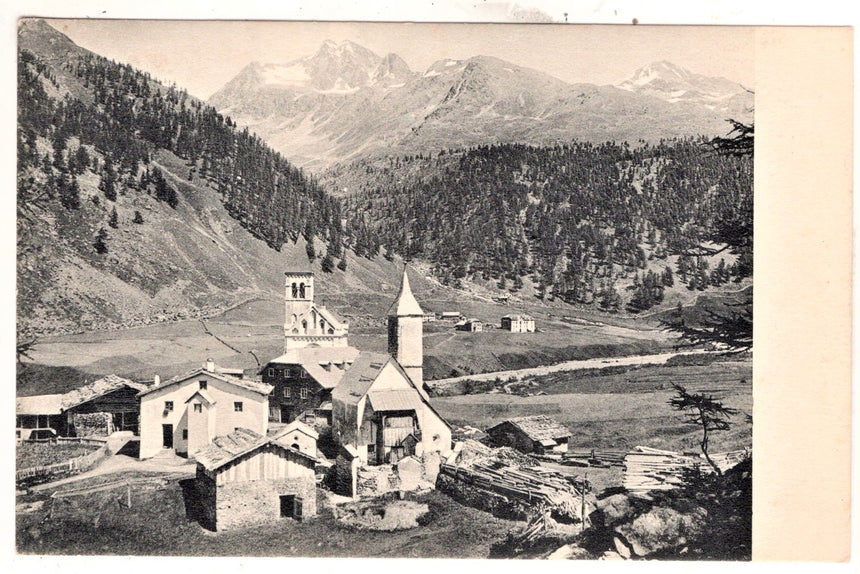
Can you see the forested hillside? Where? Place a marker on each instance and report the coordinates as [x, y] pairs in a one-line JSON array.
[[124, 114], [605, 225], [137, 202]]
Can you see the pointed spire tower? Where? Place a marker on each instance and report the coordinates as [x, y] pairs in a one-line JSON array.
[[406, 332]]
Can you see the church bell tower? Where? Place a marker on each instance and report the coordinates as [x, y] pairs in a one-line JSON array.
[[406, 332]]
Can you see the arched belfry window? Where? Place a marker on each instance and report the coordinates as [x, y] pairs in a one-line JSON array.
[[295, 290], [305, 326]]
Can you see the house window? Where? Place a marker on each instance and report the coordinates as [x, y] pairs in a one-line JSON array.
[[168, 406], [271, 372], [304, 393], [198, 408], [184, 434], [237, 407], [202, 385], [286, 392]]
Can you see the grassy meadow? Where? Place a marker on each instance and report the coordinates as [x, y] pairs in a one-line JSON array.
[[619, 408]]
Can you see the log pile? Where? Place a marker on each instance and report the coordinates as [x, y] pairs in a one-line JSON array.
[[652, 469], [595, 457], [519, 488]]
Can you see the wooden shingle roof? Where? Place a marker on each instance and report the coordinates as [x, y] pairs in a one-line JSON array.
[[242, 441], [538, 427]]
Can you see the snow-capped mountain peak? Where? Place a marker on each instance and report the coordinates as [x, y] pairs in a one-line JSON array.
[[673, 83]]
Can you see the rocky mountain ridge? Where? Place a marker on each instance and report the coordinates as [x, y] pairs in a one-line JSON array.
[[346, 103]]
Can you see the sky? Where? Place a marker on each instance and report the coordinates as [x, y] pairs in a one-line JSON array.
[[202, 56]]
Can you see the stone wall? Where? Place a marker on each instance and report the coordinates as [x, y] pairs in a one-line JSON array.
[[345, 471], [207, 496], [93, 424], [376, 480], [243, 503]]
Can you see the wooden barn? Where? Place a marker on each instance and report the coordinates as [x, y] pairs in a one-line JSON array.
[[68, 414], [244, 478], [537, 434]]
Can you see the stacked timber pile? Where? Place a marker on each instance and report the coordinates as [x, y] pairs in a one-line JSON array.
[[594, 457], [512, 491], [652, 469]]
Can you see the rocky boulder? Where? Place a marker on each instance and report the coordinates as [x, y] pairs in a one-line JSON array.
[[659, 530]]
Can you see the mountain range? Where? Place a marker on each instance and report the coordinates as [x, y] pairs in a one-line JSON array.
[[138, 203], [346, 102], [201, 252]]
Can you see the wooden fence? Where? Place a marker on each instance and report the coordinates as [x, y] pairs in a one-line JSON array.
[[78, 464], [91, 441]]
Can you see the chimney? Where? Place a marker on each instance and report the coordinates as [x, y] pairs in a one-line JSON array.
[[156, 381], [210, 365]]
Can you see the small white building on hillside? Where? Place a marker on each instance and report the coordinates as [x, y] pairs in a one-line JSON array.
[[186, 412]]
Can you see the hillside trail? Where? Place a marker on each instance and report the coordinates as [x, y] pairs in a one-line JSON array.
[[122, 463]]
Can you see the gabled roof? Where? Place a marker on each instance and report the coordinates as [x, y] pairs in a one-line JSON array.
[[405, 304], [327, 365], [395, 400], [248, 384], [203, 395], [299, 426], [227, 448], [538, 427], [331, 316], [358, 379], [97, 389], [56, 404]]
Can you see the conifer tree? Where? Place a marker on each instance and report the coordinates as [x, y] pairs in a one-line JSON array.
[[100, 244]]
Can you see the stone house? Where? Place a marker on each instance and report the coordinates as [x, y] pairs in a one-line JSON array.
[[298, 436], [186, 412], [245, 478], [470, 326], [518, 323], [538, 434], [302, 381]]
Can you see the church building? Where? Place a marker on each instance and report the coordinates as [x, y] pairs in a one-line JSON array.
[[316, 356], [306, 323], [381, 409]]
